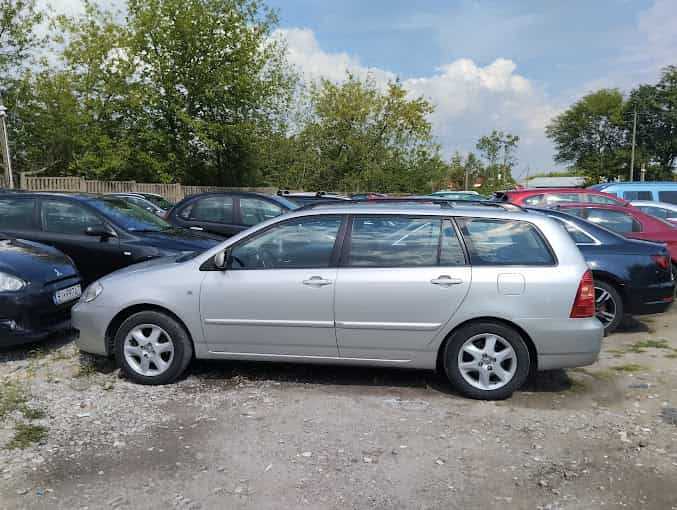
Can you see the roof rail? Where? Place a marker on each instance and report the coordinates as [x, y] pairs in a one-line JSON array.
[[441, 202]]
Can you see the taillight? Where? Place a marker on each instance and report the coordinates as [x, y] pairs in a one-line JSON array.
[[584, 304], [662, 261]]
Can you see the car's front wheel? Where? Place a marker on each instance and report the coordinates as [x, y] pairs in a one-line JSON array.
[[487, 360], [152, 348]]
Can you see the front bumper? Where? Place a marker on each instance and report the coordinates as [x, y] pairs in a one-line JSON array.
[[91, 322], [30, 315]]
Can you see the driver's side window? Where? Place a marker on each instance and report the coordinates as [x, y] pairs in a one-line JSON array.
[[301, 243], [67, 218]]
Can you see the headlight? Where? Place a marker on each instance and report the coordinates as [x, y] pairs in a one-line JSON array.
[[92, 292], [10, 283]]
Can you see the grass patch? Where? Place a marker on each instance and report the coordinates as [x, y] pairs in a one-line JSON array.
[[577, 386], [628, 368], [86, 370], [649, 344], [12, 398], [32, 413], [672, 355], [26, 434]]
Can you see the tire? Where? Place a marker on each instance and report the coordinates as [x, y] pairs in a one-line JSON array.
[[165, 357], [613, 305], [468, 381]]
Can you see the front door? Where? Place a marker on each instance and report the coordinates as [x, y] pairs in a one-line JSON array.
[[277, 296], [402, 280], [64, 224]]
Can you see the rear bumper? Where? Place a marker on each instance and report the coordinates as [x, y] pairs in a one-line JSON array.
[[31, 316], [565, 343], [652, 299]]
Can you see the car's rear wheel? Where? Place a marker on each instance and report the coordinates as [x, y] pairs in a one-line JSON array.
[[152, 348], [487, 360], [608, 306]]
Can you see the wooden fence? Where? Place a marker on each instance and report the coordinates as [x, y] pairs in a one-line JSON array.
[[172, 192]]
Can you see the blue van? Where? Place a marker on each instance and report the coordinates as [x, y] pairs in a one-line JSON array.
[[655, 191]]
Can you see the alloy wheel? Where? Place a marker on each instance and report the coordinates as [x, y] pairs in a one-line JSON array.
[[148, 350], [605, 306], [487, 361]]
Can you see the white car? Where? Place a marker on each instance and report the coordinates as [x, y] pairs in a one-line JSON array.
[[661, 210]]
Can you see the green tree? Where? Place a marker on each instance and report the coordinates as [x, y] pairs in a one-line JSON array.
[[592, 136], [656, 141], [18, 19], [498, 149], [357, 136]]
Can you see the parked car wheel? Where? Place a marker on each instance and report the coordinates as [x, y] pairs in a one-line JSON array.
[[487, 360], [152, 348], [608, 306]]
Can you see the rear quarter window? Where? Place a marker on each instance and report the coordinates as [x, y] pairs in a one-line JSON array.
[[17, 213], [497, 242]]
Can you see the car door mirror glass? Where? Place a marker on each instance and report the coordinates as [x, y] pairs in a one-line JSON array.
[[99, 231], [222, 259]]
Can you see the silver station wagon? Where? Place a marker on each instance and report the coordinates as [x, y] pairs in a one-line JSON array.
[[484, 294]]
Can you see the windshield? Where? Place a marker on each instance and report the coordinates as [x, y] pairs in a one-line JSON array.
[[129, 216], [285, 202], [161, 202]]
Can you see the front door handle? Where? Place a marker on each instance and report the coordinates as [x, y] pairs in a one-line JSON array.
[[317, 281], [446, 280], [197, 228]]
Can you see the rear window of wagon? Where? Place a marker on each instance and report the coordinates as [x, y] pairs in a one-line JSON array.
[[497, 242]]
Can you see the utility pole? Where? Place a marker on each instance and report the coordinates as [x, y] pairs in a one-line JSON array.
[[632, 157], [465, 180], [4, 147]]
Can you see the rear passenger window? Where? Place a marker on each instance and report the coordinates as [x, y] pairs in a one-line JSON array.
[[216, 209], [494, 242], [535, 200], [255, 210], [601, 199], [16, 213], [394, 241], [578, 236], [617, 221], [558, 198], [668, 196], [637, 195]]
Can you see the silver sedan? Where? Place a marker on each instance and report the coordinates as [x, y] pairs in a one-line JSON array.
[[481, 293]]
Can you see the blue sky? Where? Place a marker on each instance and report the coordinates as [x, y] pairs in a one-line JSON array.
[[515, 63], [484, 64]]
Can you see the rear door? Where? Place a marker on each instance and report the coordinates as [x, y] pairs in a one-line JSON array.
[[400, 280], [213, 213], [18, 217]]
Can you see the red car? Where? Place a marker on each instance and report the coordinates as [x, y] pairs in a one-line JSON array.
[[547, 197], [628, 221]]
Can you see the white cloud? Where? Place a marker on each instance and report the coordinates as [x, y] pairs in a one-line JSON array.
[[470, 99]]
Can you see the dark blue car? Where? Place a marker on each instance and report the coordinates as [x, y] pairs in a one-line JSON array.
[[632, 277]]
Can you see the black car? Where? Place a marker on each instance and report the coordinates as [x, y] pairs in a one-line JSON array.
[[225, 213], [632, 277], [38, 287], [101, 234]]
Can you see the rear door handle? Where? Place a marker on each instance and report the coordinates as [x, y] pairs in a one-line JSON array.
[[196, 228], [446, 280], [317, 281]]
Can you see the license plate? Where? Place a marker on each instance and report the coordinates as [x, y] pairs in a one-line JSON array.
[[67, 294]]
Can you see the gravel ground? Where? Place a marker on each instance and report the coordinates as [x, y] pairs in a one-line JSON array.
[[73, 434]]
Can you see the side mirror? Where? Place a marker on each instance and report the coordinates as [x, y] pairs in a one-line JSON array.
[[99, 231], [222, 259]]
